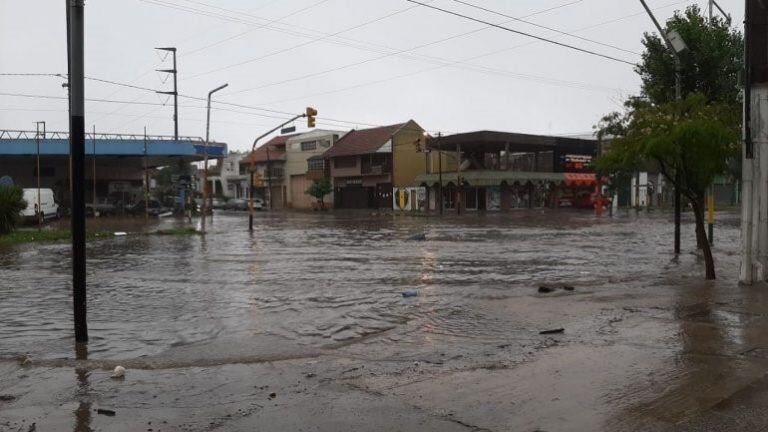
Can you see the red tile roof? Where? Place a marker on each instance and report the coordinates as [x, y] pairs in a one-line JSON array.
[[364, 141], [276, 148]]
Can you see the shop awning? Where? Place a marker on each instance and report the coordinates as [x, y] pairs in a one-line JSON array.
[[479, 178], [579, 180]]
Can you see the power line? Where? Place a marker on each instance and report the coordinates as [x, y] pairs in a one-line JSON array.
[[296, 12], [391, 52], [284, 114], [564, 83], [292, 47], [543, 39], [546, 27]]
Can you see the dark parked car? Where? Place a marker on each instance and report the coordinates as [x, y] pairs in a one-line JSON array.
[[155, 208], [236, 204]]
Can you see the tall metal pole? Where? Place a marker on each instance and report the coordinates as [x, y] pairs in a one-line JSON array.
[[205, 166], [175, 91], [146, 180], [269, 178], [678, 174], [458, 179], [678, 96], [75, 10], [39, 206], [93, 141], [440, 169]]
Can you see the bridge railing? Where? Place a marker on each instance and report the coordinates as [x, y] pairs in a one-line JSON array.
[[10, 134]]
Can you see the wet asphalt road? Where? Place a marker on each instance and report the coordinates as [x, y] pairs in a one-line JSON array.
[[311, 304]]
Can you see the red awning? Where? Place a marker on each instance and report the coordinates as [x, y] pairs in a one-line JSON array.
[[579, 180]]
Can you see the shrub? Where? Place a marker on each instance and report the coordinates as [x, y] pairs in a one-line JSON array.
[[11, 204]]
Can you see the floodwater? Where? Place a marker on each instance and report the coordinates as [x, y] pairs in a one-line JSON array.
[[302, 282], [646, 343]]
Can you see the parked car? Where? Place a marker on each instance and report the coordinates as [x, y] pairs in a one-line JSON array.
[[103, 206], [49, 208], [242, 204], [218, 204], [154, 207]]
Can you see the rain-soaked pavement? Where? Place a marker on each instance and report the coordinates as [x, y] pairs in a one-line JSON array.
[[302, 326]]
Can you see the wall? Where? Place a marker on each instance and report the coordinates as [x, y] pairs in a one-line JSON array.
[[296, 160], [407, 161], [346, 172]]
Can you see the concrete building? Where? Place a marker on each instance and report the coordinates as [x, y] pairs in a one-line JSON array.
[[268, 162], [229, 178], [303, 164], [502, 171], [367, 165]]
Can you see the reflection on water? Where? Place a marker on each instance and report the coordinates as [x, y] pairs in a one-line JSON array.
[[83, 411], [315, 280]]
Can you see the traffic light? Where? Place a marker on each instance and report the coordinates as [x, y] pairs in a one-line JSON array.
[[257, 180], [311, 113]]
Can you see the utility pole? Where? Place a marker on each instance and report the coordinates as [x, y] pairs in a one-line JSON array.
[[93, 140], [75, 33], [754, 209], [676, 45], [440, 170], [175, 91], [175, 94], [39, 207], [205, 166], [269, 178], [146, 180], [458, 178]]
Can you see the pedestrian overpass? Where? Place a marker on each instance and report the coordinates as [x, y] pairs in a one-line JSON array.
[[114, 162]]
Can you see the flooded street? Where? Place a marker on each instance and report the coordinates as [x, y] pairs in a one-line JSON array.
[[310, 307]]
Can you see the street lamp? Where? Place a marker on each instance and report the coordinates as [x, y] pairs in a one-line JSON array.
[[205, 169], [676, 45]]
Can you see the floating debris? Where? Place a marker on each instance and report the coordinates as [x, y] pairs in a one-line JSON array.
[[119, 372]]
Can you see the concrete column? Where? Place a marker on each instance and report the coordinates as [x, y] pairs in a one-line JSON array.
[[754, 240]]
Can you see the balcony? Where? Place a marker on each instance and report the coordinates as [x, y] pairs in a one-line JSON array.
[[372, 170]]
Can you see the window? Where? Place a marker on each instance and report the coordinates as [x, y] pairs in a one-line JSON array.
[[345, 162], [315, 164], [309, 145], [325, 143], [277, 172]]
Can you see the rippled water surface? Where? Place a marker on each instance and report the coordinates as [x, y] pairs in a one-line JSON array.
[[303, 282]]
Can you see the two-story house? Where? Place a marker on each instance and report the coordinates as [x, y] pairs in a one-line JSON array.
[[367, 165], [268, 162], [229, 178], [303, 164]]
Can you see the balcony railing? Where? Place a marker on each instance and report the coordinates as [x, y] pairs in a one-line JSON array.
[[375, 169]]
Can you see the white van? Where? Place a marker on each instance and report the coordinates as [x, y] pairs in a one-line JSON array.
[[48, 204]]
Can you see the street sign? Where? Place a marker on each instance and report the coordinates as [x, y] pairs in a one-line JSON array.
[[289, 129]]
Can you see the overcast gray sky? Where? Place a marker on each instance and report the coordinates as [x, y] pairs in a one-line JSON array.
[[359, 62]]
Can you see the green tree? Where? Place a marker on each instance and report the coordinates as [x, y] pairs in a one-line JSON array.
[[11, 204], [688, 141], [710, 66], [319, 189], [696, 137]]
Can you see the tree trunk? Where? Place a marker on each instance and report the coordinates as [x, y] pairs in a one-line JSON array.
[[709, 263]]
